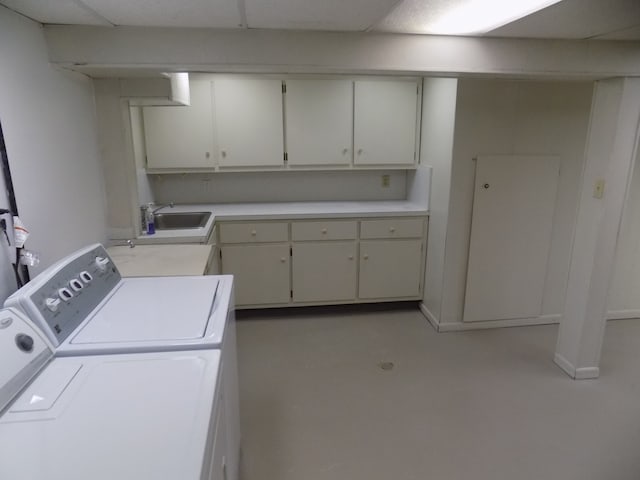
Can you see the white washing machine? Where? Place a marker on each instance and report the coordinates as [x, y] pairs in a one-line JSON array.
[[84, 307], [145, 416]]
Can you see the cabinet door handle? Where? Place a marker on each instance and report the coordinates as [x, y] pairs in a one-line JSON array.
[[283, 259], [391, 229], [207, 154], [345, 151], [359, 151], [365, 256], [350, 257], [253, 233], [223, 153], [324, 230]]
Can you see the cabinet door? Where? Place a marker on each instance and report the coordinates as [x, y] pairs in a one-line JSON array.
[[324, 271], [319, 118], [248, 116], [181, 137], [260, 272], [390, 268], [385, 119]]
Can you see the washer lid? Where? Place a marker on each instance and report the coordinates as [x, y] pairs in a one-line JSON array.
[[152, 310], [121, 417]]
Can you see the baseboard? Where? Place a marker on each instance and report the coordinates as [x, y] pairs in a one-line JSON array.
[[460, 326], [622, 314], [429, 316], [582, 373]]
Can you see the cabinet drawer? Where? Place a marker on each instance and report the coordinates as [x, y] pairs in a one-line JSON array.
[[324, 230], [254, 232], [392, 228]]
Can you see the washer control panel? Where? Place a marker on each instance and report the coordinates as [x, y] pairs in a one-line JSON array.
[[66, 294]]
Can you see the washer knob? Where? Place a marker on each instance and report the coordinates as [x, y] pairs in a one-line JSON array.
[[52, 304], [86, 277], [76, 285], [101, 263], [65, 294], [24, 342]]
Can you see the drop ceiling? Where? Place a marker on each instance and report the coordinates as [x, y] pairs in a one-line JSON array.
[[565, 19]]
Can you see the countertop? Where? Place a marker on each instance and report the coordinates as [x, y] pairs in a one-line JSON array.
[[276, 211], [161, 260]]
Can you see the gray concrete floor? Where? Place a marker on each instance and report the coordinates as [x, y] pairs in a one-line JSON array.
[[316, 404]]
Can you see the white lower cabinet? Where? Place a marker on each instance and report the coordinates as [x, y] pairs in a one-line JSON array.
[[390, 268], [261, 272], [282, 263], [324, 271]]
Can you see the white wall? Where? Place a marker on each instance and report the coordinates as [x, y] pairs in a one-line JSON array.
[[624, 295], [515, 117], [438, 121], [278, 186], [49, 124]]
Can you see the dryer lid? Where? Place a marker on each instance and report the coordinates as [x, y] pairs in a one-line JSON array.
[[152, 310]]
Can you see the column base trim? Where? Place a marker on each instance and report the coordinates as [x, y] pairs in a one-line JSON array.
[[582, 373]]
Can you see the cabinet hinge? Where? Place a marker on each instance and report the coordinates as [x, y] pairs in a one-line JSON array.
[[291, 251], [220, 253], [284, 88], [290, 293], [286, 157]]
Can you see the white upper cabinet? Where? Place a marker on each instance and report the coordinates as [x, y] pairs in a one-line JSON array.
[[244, 122], [181, 137], [319, 121], [385, 122], [249, 124]]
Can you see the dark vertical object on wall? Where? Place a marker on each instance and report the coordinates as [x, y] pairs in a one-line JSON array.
[[22, 273]]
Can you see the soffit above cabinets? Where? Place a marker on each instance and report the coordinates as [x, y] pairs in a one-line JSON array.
[[564, 19]]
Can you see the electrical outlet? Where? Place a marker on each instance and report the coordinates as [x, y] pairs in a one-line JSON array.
[[386, 180], [598, 188]]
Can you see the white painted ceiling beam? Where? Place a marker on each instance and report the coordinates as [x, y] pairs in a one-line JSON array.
[[99, 49]]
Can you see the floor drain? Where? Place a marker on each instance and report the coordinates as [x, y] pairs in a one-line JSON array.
[[386, 365]]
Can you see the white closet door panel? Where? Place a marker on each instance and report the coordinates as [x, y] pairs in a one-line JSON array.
[[181, 137], [319, 119], [385, 122], [248, 116], [513, 208]]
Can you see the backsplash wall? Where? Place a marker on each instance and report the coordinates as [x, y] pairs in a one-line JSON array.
[[278, 186]]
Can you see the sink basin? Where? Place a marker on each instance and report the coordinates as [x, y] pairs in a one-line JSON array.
[[180, 221]]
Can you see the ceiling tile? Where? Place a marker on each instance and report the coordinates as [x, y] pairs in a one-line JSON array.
[[68, 12], [575, 19], [349, 15], [410, 16], [170, 13]]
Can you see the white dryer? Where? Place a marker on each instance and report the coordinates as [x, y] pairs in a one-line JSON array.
[[145, 416], [84, 307]]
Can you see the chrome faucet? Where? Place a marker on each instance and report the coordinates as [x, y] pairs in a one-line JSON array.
[[159, 207]]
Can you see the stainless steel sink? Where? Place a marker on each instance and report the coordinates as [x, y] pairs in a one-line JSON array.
[[180, 221]]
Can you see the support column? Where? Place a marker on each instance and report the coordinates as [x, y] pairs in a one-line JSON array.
[[611, 149]]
